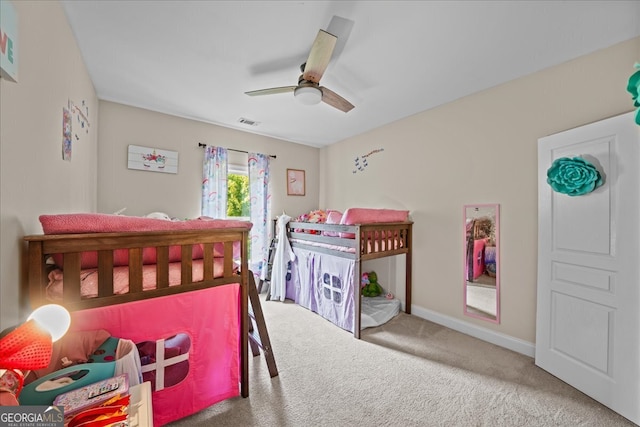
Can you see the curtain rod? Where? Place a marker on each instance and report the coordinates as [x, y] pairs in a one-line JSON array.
[[200, 144]]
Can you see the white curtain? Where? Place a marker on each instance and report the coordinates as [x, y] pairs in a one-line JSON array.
[[214, 182], [260, 197]]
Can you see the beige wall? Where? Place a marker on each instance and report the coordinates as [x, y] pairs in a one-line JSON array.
[[142, 192], [33, 177], [480, 149]]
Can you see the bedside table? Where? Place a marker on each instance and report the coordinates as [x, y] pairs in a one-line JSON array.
[[140, 406]]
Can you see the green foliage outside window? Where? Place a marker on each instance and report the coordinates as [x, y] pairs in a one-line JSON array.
[[237, 195]]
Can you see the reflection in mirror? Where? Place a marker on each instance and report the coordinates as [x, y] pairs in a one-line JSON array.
[[482, 261]]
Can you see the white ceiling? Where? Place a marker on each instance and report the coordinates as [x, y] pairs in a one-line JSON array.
[[195, 59]]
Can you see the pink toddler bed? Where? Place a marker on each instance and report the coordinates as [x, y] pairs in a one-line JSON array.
[[150, 281]]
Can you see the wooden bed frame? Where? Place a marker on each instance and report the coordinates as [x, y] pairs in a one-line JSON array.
[[72, 246], [372, 241]]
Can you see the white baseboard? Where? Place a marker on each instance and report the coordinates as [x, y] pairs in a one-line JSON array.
[[506, 341]]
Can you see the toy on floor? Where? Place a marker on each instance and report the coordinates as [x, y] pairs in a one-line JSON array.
[[370, 285]]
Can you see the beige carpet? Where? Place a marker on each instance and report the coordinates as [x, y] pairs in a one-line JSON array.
[[408, 372]]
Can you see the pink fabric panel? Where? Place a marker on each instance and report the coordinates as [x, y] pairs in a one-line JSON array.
[[107, 223], [209, 317], [371, 216]]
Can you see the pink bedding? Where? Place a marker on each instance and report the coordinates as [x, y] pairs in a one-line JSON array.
[[370, 216], [106, 223], [351, 216], [89, 278]]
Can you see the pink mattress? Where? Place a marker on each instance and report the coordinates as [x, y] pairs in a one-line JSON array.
[[89, 278]]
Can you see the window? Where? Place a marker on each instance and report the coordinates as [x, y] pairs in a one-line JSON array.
[[238, 206], [238, 193], [165, 362]]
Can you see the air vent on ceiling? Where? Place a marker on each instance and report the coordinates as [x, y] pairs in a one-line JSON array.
[[248, 122]]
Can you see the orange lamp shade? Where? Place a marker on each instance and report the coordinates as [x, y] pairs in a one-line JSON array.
[[26, 347]]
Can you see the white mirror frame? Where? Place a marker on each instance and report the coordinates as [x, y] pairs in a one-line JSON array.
[[471, 212]]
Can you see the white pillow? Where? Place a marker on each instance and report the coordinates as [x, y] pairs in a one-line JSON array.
[[159, 215]]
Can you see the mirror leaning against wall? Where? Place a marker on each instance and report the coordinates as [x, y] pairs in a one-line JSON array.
[[482, 261]]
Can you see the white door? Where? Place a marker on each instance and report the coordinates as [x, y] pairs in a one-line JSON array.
[[588, 312]]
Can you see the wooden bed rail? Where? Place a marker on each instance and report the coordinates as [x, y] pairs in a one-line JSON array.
[[381, 240], [71, 246], [375, 240]]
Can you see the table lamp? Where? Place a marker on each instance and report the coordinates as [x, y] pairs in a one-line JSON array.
[[29, 345]]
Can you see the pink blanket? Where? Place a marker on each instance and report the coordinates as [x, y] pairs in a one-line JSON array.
[[105, 223]]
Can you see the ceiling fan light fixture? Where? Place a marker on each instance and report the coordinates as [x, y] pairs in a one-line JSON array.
[[308, 95]]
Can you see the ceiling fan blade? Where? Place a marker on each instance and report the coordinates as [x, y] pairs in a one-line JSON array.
[[335, 100], [319, 56], [271, 91]]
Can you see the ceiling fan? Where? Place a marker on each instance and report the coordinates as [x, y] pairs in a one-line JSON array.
[[308, 91]]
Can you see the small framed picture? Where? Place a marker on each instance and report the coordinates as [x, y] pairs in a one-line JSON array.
[[295, 182]]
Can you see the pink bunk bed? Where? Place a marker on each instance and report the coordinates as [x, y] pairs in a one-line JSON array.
[[153, 281]]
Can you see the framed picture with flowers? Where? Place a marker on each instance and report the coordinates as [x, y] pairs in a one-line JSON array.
[[295, 182], [152, 159]]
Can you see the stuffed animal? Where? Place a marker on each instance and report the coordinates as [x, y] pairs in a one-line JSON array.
[[365, 280], [370, 285], [316, 217]]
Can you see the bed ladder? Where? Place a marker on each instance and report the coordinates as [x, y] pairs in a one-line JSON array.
[[267, 279], [258, 334]]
